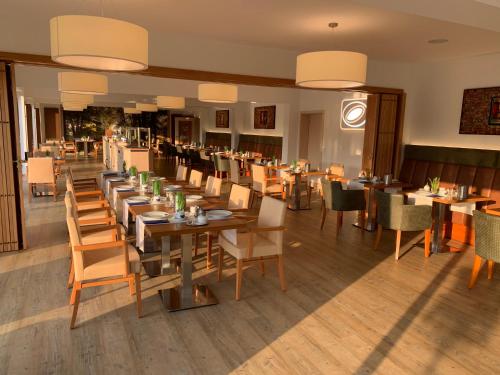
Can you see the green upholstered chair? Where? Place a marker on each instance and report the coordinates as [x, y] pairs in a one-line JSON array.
[[340, 200], [221, 166], [487, 243], [393, 214]]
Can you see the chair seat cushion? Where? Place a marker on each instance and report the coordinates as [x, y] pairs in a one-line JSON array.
[[92, 214], [95, 234], [98, 264], [236, 244]]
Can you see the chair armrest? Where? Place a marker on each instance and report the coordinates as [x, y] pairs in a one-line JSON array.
[[415, 218], [105, 220], [100, 246], [87, 180], [81, 205], [89, 193], [266, 229]]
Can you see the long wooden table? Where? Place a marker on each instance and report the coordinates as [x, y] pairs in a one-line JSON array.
[[187, 295]]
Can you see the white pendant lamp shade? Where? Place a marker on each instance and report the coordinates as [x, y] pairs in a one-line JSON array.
[[331, 69], [98, 43], [132, 111], [84, 99], [69, 106], [82, 83], [171, 102], [217, 93], [146, 107]]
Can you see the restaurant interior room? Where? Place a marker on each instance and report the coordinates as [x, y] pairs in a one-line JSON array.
[[259, 187]]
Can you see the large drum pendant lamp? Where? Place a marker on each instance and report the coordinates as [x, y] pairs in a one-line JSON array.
[[146, 107], [217, 93], [84, 99], [73, 106], [82, 83], [171, 102], [331, 69], [98, 43]]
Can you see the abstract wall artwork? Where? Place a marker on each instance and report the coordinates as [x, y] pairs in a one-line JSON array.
[[264, 117], [481, 111]]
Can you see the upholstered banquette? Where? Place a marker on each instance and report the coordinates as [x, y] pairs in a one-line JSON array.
[[479, 169]]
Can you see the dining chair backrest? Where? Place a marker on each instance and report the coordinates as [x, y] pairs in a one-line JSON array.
[[337, 169], [181, 173], [259, 176], [195, 178], [41, 170], [179, 149], [487, 235], [204, 156], [389, 209], [239, 197], [272, 214], [70, 145], [213, 187], [71, 209], [221, 164], [234, 167]]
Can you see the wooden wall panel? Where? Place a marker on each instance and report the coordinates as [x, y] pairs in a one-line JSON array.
[[29, 126], [371, 132], [38, 127], [386, 135], [11, 211]]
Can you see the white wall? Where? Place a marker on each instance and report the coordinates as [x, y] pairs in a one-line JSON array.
[[338, 146]]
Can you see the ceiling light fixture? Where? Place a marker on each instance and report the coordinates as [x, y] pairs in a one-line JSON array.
[[331, 69], [82, 83], [171, 102], [98, 43], [146, 107], [132, 111], [84, 99], [70, 106], [437, 41], [217, 93]]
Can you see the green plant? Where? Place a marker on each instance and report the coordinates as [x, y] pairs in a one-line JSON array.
[[180, 201], [144, 178], [434, 184], [133, 171]]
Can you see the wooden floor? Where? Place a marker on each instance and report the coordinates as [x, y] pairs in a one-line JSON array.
[[348, 310]]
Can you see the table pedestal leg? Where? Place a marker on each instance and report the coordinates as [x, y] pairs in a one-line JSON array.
[[437, 234], [369, 225], [186, 295]]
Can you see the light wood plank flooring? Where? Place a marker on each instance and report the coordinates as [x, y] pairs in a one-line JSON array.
[[348, 310]]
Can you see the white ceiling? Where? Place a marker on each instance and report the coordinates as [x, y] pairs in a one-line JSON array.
[[384, 29]]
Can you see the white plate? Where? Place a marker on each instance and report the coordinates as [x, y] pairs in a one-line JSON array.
[[124, 187], [175, 220], [173, 187], [120, 179], [157, 215], [138, 198], [218, 214], [194, 197]]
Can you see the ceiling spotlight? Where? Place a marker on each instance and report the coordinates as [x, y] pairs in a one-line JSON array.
[[333, 25]]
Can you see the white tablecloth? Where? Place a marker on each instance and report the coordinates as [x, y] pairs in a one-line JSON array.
[[107, 191], [422, 198]]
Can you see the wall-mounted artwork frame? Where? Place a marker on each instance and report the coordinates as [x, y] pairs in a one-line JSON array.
[[222, 118], [265, 117], [480, 111]]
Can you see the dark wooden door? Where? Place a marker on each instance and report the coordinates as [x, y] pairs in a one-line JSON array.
[[185, 131], [52, 123]]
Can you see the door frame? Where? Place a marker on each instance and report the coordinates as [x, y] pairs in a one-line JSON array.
[[314, 112]]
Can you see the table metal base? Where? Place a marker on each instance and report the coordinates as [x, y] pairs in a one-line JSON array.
[[173, 300], [369, 227], [154, 268]]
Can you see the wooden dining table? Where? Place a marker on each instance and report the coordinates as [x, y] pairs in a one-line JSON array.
[[186, 295]]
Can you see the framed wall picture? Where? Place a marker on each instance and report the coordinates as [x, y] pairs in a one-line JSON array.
[[222, 118], [265, 117], [481, 111]]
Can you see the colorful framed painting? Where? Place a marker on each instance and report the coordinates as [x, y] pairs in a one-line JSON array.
[[264, 117], [222, 118]]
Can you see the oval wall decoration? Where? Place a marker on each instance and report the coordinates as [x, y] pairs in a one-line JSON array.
[[353, 114]]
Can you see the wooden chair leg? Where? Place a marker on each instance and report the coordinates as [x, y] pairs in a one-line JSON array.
[[340, 217], [323, 216], [209, 250], [137, 282], [72, 298], [475, 271], [427, 243], [239, 277], [378, 236], [77, 289], [491, 265], [71, 276], [398, 243], [262, 267], [220, 263], [281, 272], [131, 286]]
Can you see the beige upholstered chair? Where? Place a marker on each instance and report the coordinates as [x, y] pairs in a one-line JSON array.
[[88, 212], [260, 243], [41, 172], [213, 186], [102, 260], [263, 184], [181, 173], [195, 179], [239, 201], [70, 148], [83, 195], [235, 174], [82, 183]]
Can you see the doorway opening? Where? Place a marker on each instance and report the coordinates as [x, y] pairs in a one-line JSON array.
[[311, 138]]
